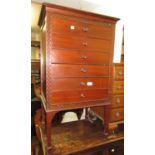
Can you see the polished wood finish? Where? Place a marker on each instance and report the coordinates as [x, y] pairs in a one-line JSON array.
[[117, 102], [67, 97], [117, 106], [65, 70], [87, 140], [118, 87], [118, 73], [77, 26], [76, 59], [63, 84], [60, 41], [79, 57], [117, 114]]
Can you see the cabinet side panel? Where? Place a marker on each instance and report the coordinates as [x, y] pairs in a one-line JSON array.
[[43, 60]]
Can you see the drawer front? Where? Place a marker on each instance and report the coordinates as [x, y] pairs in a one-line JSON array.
[[62, 84], [59, 41], [74, 26], [79, 57], [68, 97], [117, 114], [63, 70], [118, 87], [119, 72], [117, 101]]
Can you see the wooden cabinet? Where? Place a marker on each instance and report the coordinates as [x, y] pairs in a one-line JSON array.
[[76, 61], [117, 102]]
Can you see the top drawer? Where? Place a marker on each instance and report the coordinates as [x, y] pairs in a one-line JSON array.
[[119, 72], [82, 27]]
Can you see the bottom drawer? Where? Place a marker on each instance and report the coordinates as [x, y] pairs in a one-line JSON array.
[[67, 97], [117, 114]]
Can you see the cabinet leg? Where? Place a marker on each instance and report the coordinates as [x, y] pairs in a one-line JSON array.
[[86, 113], [106, 119], [49, 118]]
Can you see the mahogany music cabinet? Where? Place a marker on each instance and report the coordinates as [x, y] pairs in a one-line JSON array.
[[76, 61]]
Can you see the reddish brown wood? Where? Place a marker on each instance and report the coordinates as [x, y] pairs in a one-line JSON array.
[[78, 105], [118, 87], [60, 41], [89, 137], [69, 97], [117, 114], [79, 57], [76, 46], [63, 84], [117, 101], [49, 117], [106, 117], [62, 24], [37, 120], [118, 73], [52, 8], [65, 70]]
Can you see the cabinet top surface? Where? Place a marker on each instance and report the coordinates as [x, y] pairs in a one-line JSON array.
[[57, 8], [67, 137]]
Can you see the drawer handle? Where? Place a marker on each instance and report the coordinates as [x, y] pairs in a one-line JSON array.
[[117, 114], [112, 150], [82, 95], [83, 83], [84, 57], [83, 70], [120, 73], [84, 44], [119, 87], [85, 29], [72, 27], [118, 100]]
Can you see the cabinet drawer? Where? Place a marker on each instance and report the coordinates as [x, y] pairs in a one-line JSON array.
[[119, 72], [67, 97], [117, 114], [117, 101], [79, 57], [118, 87], [63, 70], [75, 26], [59, 41], [61, 84]]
